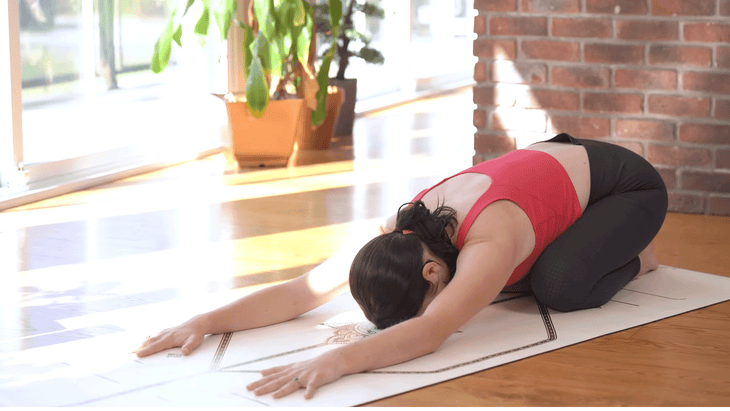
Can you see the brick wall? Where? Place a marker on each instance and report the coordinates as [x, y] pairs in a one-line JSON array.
[[650, 75]]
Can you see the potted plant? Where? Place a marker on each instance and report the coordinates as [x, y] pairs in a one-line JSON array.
[[280, 79], [349, 43]]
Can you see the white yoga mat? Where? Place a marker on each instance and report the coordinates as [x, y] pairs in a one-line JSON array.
[[512, 328]]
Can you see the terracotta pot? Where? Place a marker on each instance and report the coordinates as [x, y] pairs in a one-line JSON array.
[[320, 137], [266, 141]]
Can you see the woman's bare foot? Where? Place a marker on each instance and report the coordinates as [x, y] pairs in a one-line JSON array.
[[648, 259]]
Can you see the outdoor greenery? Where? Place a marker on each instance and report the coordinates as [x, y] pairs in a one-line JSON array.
[[275, 48], [349, 42]]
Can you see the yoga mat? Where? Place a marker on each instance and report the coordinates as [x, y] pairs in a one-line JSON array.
[[515, 326]]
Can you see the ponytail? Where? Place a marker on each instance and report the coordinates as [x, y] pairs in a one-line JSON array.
[[433, 228]]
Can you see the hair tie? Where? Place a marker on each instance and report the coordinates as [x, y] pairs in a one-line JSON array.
[[406, 231]]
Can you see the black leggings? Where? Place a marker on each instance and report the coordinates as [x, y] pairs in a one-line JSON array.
[[598, 255]]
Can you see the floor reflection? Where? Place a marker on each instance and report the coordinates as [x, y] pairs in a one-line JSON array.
[[206, 227]]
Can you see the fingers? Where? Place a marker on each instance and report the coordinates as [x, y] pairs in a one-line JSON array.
[[150, 347], [191, 344], [287, 388], [274, 370], [282, 383], [309, 392], [156, 344]]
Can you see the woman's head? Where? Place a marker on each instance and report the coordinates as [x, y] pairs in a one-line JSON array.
[[387, 275]]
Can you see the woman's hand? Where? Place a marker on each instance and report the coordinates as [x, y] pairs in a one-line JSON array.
[[309, 375], [188, 335]]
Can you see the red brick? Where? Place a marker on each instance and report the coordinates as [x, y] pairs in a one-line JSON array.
[[706, 181], [707, 32], [687, 56], [679, 106], [687, 203], [480, 25], [709, 82], [494, 96], [725, 7], [683, 7], [597, 28], [678, 156], [549, 99], [518, 26], [647, 30], [581, 77], [551, 6], [723, 159], [480, 71], [616, 6], [495, 49], [513, 95], [723, 57], [495, 5], [613, 103], [484, 96], [493, 143], [705, 134], [722, 109], [519, 120], [613, 53], [518, 73], [581, 127], [644, 129], [669, 175], [480, 119], [551, 50], [646, 79], [719, 206]]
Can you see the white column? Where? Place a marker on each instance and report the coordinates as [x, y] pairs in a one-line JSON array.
[[11, 105], [236, 82]]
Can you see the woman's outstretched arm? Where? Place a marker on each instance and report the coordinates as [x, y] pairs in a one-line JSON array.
[[482, 271], [271, 305]]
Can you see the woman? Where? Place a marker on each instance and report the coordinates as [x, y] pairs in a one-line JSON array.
[[573, 219]]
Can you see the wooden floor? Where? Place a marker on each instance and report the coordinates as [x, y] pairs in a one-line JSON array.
[[131, 257]]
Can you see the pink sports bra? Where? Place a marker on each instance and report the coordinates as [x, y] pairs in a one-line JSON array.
[[539, 185]]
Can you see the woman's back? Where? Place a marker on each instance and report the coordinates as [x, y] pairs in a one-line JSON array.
[[505, 219]]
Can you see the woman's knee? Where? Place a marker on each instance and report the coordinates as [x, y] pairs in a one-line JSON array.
[[558, 291]]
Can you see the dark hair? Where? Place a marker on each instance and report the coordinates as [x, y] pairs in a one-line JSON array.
[[386, 275]]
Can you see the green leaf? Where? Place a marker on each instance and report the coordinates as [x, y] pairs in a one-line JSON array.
[[303, 39], [163, 47], [266, 16], [261, 50], [178, 35], [224, 11], [187, 6], [201, 27], [257, 90], [277, 55], [295, 11], [246, 47], [319, 114], [371, 10], [370, 55], [335, 12], [300, 13]]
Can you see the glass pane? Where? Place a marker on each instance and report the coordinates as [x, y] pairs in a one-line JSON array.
[[442, 41], [388, 35], [87, 87]]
